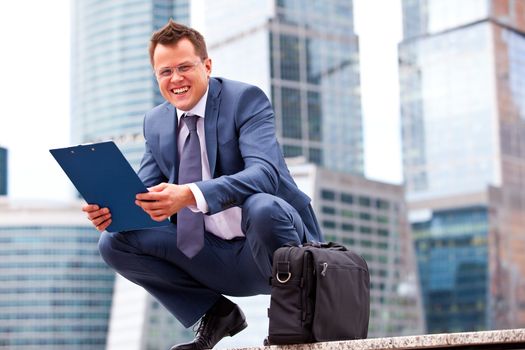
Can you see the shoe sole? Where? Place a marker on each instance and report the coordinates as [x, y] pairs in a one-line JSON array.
[[238, 329]]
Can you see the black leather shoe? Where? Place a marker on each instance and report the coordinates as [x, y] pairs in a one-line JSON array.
[[213, 328]]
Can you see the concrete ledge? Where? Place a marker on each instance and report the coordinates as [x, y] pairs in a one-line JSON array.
[[500, 339]]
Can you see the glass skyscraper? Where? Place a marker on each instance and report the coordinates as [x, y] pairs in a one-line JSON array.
[[3, 171], [316, 84], [112, 82], [55, 290], [453, 264], [305, 56], [463, 128]]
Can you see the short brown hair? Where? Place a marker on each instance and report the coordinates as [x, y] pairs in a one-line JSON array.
[[172, 32]]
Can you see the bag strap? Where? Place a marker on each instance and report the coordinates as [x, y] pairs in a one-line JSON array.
[[283, 273]]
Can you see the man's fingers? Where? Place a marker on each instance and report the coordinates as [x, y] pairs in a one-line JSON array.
[[146, 205], [90, 207], [149, 196], [159, 217], [92, 215], [155, 193], [158, 213], [158, 188], [101, 219], [104, 225]]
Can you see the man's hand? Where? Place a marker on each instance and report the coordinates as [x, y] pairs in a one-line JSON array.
[[164, 200], [99, 217]]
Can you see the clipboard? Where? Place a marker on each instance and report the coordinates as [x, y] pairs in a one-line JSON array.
[[103, 176]]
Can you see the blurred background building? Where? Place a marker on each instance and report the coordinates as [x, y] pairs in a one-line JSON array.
[[112, 82], [462, 77], [3, 171], [55, 290], [305, 56]]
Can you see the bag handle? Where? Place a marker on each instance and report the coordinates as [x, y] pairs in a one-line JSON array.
[[314, 244], [326, 245]]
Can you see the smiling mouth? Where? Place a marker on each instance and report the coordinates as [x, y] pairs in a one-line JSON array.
[[180, 90]]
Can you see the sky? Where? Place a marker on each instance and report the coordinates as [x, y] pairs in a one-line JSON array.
[[34, 95], [35, 83]]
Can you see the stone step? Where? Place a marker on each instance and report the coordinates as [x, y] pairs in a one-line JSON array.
[[495, 340]]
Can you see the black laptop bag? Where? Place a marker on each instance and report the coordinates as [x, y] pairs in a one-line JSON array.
[[320, 292]]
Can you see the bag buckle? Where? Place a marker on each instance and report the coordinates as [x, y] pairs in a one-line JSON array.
[[283, 274]]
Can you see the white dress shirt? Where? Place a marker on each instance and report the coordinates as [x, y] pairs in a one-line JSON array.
[[227, 223]]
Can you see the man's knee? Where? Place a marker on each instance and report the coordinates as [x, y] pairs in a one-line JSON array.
[[106, 248], [260, 207], [266, 215]]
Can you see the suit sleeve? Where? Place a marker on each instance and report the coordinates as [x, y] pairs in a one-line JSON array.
[[149, 171], [260, 152]]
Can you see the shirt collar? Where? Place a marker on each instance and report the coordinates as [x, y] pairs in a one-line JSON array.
[[199, 109]]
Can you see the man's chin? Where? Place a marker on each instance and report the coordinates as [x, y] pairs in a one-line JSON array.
[[181, 105]]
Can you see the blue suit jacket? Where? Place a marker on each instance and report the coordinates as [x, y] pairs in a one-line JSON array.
[[243, 152]]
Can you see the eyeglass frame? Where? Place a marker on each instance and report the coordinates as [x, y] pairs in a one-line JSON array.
[[181, 69]]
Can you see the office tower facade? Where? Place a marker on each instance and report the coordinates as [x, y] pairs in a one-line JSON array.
[[112, 82], [453, 260], [305, 56], [462, 91], [370, 218], [55, 290], [3, 171]]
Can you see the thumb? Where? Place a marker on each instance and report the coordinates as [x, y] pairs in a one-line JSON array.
[[158, 188]]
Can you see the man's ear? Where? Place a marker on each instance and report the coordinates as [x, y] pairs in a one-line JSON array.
[[207, 65]]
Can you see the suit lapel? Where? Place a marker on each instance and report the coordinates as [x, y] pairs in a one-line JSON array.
[[210, 123]]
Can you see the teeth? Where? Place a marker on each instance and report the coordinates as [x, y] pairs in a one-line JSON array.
[[180, 90]]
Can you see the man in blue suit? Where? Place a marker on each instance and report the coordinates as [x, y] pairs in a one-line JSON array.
[[245, 198]]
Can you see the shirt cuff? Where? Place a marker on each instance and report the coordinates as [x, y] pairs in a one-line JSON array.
[[202, 205]]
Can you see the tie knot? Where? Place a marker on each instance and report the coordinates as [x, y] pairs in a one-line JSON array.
[[191, 121]]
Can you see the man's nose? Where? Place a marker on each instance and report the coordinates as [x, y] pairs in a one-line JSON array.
[[176, 76]]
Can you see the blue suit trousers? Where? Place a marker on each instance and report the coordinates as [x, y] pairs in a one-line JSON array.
[[188, 288]]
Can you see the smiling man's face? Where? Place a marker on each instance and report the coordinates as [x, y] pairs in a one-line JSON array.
[[189, 76]]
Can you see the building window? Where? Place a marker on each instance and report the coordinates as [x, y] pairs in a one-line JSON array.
[[314, 116], [347, 227], [292, 151], [289, 57], [347, 198], [291, 113], [328, 210], [365, 216], [382, 204], [382, 232], [315, 156], [328, 224], [347, 213], [364, 201], [328, 195], [365, 229]]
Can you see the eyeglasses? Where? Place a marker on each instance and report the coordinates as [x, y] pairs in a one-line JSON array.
[[167, 72]]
